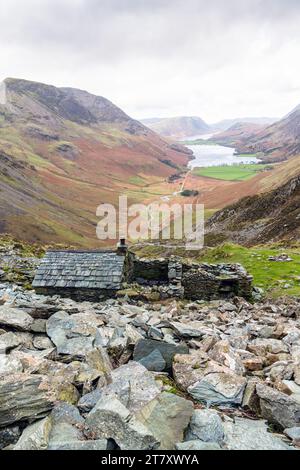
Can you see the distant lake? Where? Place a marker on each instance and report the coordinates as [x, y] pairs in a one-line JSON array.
[[214, 155]]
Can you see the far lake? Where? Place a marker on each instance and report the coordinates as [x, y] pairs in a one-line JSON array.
[[214, 155]]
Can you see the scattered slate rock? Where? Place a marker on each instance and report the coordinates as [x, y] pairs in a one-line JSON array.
[[74, 335], [110, 419], [145, 347], [9, 365], [66, 413], [133, 385], [205, 425], [15, 318], [247, 434], [219, 389], [9, 341], [189, 330], [277, 407], [35, 436], [88, 401], [154, 361], [167, 417], [42, 342], [24, 396]]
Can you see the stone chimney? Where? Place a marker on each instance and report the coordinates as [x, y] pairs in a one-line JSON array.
[[122, 247]]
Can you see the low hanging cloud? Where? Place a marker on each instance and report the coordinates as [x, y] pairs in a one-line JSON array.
[[214, 59]]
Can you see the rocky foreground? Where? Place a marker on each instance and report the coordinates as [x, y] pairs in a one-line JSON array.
[[174, 375]]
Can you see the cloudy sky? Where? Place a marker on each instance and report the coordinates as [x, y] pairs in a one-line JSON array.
[[211, 58]]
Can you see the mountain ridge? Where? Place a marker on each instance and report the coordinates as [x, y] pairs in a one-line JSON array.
[[64, 151]]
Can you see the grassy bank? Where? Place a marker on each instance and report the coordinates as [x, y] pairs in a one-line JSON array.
[[239, 172], [276, 278]]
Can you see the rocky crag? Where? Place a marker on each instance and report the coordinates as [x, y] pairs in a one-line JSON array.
[[147, 375]]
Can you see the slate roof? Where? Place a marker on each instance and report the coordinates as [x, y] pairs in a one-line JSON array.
[[80, 269]]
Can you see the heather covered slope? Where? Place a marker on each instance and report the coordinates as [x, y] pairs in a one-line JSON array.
[[270, 216], [63, 152], [277, 142], [178, 127], [237, 135]]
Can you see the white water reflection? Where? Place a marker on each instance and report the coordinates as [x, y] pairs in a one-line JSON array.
[[216, 155]]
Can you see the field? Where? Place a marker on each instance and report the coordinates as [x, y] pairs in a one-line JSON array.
[[275, 278], [241, 172]]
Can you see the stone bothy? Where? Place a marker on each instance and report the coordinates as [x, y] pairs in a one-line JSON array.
[[94, 275], [80, 274]]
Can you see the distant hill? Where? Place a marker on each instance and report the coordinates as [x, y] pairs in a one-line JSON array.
[[227, 123], [64, 151], [178, 127], [277, 142]]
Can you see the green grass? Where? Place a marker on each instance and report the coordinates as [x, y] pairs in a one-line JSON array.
[[269, 275], [137, 180], [241, 172], [272, 277]]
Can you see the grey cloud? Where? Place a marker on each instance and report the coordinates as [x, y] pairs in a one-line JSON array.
[[164, 55]]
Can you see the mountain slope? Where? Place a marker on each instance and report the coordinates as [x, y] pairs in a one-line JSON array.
[[277, 142], [269, 216], [63, 152], [178, 127], [237, 135]]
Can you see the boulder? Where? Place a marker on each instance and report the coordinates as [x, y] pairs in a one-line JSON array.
[[219, 389], [205, 425], [35, 436], [277, 407], [250, 398], [154, 361], [38, 326], [9, 341], [188, 330], [133, 385], [67, 425], [145, 347], [24, 396], [15, 318], [74, 335], [253, 364], [167, 417], [247, 434], [190, 368], [88, 401], [110, 419], [262, 346], [206, 380], [42, 342], [10, 364], [292, 389], [224, 354]]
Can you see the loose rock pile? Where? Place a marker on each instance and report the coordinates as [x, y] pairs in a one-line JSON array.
[[134, 375]]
